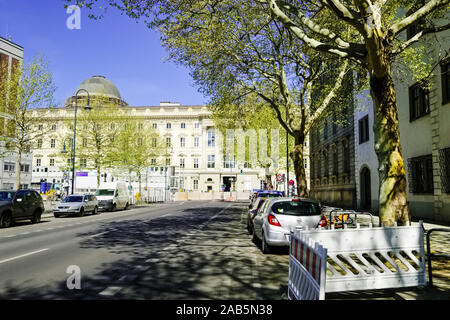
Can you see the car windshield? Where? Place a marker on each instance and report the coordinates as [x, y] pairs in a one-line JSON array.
[[104, 192], [296, 208], [73, 199], [6, 195]]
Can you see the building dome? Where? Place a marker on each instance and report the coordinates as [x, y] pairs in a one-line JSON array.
[[99, 86]]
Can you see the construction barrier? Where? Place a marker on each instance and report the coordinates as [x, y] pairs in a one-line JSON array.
[[307, 266], [364, 259]]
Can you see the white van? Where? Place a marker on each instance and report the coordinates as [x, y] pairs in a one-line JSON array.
[[112, 196]]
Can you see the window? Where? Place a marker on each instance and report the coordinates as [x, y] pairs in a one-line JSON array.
[[326, 163], [25, 168], [168, 162], [196, 163], [196, 142], [84, 142], [154, 142], [182, 142], [197, 125], [420, 174], [53, 127], [153, 161], [415, 28], [211, 138], [168, 142], [40, 127], [346, 156], [9, 167], [183, 125], [83, 163], [38, 162], [445, 77], [39, 143], [181, 162], [140, 126], [444, 161], [52, 143], [228, 161], [168, 125], [419, 104], [155, 126], [364, 129], [52, 162], [195, 182], [140, 142], [211, 161], [335, 163]]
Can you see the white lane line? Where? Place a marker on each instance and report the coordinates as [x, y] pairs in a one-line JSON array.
[[110, 291], [22, 255], [98, 234]]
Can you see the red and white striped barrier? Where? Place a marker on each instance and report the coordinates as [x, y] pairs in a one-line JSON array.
[[307, 267]]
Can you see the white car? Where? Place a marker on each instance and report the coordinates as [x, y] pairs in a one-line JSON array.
[[76, 205], [278, 218]]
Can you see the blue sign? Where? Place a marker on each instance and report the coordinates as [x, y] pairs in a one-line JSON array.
[[82, 174]]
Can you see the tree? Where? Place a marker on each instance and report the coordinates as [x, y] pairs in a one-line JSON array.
[[134, 147], [25, 87], [376, 42], [96, 133], [241, 53], [367, 33]]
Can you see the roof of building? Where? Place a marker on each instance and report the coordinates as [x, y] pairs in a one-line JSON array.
[[99, 85]]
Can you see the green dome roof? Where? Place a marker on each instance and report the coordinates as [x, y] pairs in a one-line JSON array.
[[100, 86]]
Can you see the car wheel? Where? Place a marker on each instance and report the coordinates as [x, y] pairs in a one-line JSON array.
[[113, 207], [126, 207], [81, 213], [95, 210], [56, 215], [265, 248], [36, 216], [5, 220]]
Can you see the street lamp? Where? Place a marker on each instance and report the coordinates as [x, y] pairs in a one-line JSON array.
[[87, 107]]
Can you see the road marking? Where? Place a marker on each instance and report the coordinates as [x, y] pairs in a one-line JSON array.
[[23, 255], [98, 234], [110, 291]]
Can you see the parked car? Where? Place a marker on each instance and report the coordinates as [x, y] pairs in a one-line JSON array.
[[113, 195], [76, 205], [252, 211], [266, 194], [279, 217], [20, 205]]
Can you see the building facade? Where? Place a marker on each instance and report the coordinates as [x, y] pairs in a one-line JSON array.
[[424, 124], [11, 56], [332, 158], [193, 166]]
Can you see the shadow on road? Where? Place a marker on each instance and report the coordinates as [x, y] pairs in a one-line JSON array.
[[184, 256]]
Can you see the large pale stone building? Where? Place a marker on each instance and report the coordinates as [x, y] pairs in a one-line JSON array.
[[195, 167]]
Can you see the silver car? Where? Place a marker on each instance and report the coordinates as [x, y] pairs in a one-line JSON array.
[[279, 217], [76, 205]]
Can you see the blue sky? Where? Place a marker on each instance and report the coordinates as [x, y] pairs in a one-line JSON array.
[[125, 52]]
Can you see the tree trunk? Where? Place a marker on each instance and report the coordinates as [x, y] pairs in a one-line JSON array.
[[299, 167], [393, 192], [98, 177], [19, 163]]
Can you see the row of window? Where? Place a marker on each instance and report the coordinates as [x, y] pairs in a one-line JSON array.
[[419, 100], [11, 167], [320, 166]]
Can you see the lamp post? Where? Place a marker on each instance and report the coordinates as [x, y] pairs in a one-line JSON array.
[[287, 155], [87, 107]]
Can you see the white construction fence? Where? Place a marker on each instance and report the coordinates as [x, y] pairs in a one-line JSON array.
[[356, 259]]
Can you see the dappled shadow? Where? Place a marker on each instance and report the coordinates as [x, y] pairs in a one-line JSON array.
[[185, 256]]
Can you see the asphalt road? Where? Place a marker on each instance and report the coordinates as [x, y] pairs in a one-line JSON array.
[[190, 250]]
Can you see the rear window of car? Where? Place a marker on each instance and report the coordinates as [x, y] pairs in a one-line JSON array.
[[296, 208], [269, 195]]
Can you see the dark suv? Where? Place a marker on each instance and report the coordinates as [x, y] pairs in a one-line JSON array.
[[20, 205]]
